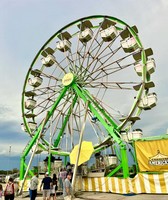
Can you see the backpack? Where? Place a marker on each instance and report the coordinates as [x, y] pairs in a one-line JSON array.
[[9, 189]]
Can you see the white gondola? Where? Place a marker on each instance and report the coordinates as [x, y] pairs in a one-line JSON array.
[[32, 126], [150, 65], [110, 160], [124, 136], [48, 61], [109, 34], [137, 134], [148, 102], [36, 81], [129, 45], [86, 35], [64, 45], [30, 104]]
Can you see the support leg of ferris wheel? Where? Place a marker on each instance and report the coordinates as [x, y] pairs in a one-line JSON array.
[[80, 144], [33, 153]]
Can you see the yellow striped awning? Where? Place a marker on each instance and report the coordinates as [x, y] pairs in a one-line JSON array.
[[141, 183]]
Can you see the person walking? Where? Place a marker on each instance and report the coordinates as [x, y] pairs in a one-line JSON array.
[[46, 183], [62, 176], [53, 187], [9, 191], [67, 187], [33, 187]]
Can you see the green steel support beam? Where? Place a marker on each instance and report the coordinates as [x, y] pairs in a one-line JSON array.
[[65, 160], [30, 172], [115, 170], [49, 164], [22, 168], [124, 161], [60, 153], [57, 141]]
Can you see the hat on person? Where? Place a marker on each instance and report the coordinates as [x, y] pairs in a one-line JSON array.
[[47, 173]]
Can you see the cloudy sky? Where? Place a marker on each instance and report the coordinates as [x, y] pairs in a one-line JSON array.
[[27, 24]]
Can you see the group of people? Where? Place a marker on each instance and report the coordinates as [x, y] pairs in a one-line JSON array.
[[9, 191], [49, 185]]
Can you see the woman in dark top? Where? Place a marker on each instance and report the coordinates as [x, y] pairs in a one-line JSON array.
[[53, 187]]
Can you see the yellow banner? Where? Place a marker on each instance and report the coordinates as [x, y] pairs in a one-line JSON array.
[[152, 155]]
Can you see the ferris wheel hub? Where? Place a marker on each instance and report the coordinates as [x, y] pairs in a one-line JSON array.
[[67, 79]]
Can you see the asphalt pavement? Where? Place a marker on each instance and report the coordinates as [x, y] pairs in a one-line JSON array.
[[108, 196]]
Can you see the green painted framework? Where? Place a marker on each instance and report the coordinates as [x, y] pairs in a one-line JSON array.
[[96, 109]]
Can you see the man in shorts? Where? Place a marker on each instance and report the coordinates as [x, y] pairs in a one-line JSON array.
[[46, 182]]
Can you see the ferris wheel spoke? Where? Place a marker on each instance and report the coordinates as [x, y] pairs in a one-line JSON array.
[[81, 56], [104, 73], [77, 55], [92, 56], [44, 75], [69, 60], [112, 85], [107, 68], [44, 93], [98, 54], [117, 62], [103, 66]]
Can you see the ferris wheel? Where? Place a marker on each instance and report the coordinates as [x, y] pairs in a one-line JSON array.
[[97, 61]]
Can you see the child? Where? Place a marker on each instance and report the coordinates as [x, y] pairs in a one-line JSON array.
[[1, 191]]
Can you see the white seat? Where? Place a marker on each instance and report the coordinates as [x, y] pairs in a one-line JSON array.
[[86, 35], [64, 45], [150, 66], [129, 45], [36, 81], [147, 102], [30, 104], [109, 33], [48, 61]]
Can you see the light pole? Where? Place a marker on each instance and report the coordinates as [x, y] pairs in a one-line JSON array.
[[9, 159]]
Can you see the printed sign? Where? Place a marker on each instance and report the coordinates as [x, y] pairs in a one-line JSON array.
[[152, 155]]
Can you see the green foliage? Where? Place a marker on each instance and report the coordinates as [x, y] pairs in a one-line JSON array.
[[5, 172]]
